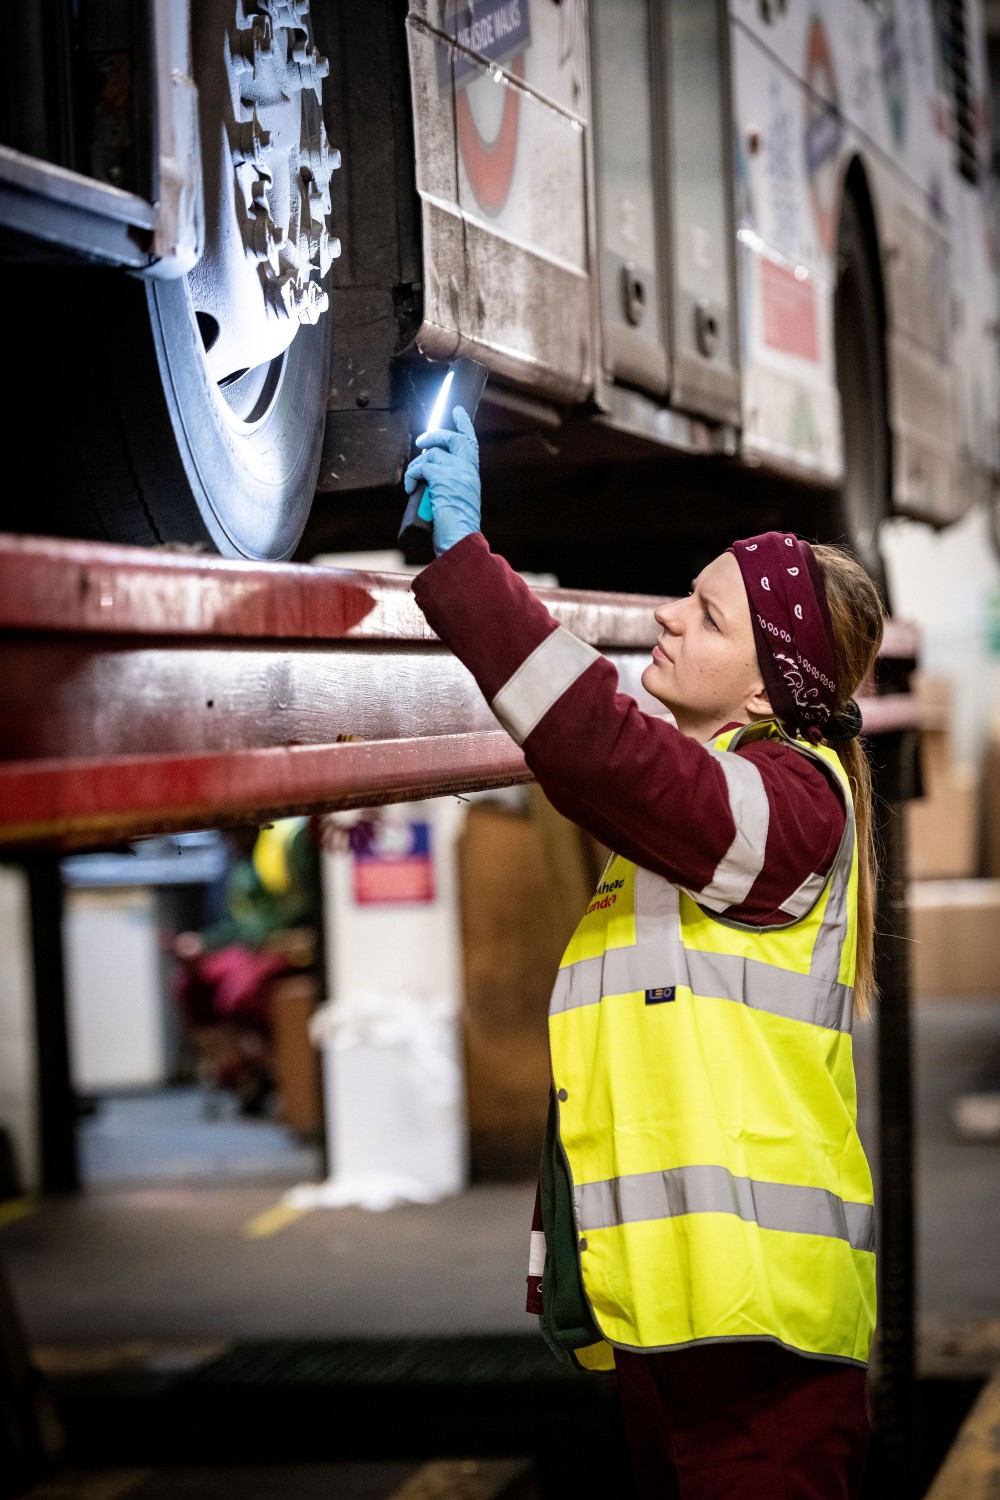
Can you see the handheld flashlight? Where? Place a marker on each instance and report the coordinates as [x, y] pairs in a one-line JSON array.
[[437, 410], [463, 385]]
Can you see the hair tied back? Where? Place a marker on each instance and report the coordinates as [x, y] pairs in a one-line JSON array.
[[844, 725]]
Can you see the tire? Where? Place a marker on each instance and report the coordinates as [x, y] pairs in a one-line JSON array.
[[861, 380], [162, 443], [246, 487]]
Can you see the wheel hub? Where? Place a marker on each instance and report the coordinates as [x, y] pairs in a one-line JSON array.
[[268, 165]]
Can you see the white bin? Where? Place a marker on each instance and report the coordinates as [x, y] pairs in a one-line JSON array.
[[392, 1061]]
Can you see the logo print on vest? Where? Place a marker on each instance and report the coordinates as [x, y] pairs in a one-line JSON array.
[[657, 997]]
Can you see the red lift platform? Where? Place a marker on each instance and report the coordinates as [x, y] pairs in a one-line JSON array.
[[145, 692]]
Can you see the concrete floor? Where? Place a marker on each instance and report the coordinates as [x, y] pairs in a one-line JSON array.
[[958, 1243], [173, 1261], [176, 1262], [956, 1050], [188, 1134]]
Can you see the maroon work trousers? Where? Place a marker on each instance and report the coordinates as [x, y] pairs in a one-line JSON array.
[[745, 1421]]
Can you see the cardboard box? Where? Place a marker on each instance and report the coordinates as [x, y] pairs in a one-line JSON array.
[[991, 801], [943, 825], [935, 694], [296, 1061], [511, 954], [936, 762], [955, 937], [525, 882]]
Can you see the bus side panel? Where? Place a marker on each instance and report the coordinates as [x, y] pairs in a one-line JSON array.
[[976, 335], [917, 274], [500, 135], [791, 413], [876, 62], [976, 213], [909, 159], [869, 85]]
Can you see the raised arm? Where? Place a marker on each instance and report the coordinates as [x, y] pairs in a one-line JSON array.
[[741, 831]]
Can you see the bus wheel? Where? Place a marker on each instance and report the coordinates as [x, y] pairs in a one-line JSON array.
[[861, 380], [199, 409]]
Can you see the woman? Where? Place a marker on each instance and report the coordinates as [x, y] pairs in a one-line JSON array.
[[704, 1155]]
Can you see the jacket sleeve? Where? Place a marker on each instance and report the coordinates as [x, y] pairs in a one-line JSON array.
[[743, 833]]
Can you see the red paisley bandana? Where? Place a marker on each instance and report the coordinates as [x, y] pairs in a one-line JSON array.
[[792, 628]]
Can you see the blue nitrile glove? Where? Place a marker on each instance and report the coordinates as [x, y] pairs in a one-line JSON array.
[[450, 467]]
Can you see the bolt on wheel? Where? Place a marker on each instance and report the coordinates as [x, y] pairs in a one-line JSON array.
[[267, 170]]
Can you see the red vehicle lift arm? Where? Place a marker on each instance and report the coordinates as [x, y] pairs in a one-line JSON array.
[[145, 692]]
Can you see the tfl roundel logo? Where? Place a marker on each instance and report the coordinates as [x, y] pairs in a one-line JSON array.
[[487, 108]]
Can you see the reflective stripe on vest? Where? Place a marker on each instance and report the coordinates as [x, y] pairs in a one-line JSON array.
[[723, 976], [808, 893], [660, 958], [714, 1190], [707, 1108]]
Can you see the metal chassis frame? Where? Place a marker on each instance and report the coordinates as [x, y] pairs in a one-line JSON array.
[[106, 654], [54, 205], [87, 219]]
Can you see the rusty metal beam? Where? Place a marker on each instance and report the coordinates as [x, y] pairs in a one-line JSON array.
[[151, 691], [890, 712], [79, 696], [95, 588], [88, 801]]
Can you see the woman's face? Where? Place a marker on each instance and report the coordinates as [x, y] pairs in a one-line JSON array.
[[704, 666]]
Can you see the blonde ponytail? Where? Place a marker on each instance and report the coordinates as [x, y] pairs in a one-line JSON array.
[[858, 618]]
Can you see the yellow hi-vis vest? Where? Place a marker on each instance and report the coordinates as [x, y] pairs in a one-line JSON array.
[[707, 1111]]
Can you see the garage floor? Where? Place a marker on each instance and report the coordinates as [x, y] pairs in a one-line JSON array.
[[171, 1262], [191, 1321], [188, 1133], [206, 1260]]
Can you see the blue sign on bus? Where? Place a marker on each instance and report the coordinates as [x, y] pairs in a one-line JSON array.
[[495, 29]]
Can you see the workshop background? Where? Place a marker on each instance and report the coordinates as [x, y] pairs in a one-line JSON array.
[[274, 1239]]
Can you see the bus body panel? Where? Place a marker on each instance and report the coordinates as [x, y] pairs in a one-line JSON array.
[[822, 86], [568, 241], [976, 240], [501, 140], [791, 412], [520, 267]]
